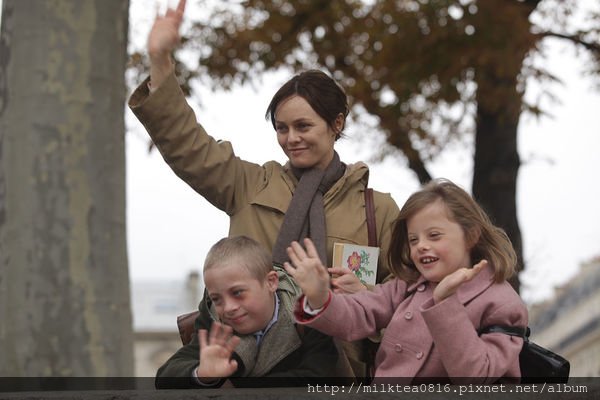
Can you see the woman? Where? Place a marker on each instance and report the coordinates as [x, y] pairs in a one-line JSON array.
[[313, 195]]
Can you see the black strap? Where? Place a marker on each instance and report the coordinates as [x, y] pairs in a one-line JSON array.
[[508, 330], [371, 222]]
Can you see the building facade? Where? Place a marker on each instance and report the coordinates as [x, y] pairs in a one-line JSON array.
[[569, 323], [156, 305]]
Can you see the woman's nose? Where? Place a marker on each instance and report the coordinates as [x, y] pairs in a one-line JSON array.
[[293, 136]]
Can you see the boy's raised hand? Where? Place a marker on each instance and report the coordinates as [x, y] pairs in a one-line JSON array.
[[450, 284], [308, 272], [215, 353]]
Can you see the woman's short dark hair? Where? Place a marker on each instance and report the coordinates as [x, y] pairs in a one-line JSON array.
[[323, 94]]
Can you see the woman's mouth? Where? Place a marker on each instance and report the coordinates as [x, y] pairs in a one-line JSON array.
[[296, 152]]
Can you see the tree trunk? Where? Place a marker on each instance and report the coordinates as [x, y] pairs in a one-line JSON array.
[[496, 161], [64, 285]]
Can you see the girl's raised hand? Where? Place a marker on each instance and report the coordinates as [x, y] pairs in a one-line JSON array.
[[215, 352], [450, 284], [308, 272]]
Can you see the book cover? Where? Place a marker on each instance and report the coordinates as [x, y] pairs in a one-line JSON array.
[[362, 260]]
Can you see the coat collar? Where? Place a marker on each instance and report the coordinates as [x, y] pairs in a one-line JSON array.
[[467, 291], [357, 172], [278, 343]]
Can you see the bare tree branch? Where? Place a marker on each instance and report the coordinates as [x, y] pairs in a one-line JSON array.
[[593, 47]]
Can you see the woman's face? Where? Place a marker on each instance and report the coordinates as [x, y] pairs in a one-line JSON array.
[[306, 138]]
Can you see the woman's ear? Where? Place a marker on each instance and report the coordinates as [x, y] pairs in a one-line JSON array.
[[272, 281], [339, 125]]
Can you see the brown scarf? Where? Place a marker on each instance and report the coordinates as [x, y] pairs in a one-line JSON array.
[[305, 216]]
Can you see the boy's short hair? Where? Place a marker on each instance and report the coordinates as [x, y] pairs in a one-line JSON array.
[[245, 251]]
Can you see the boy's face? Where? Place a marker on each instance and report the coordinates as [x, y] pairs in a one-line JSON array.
[[242, 301]]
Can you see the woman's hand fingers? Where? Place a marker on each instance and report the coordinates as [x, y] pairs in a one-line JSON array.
[[345, 281], [339, 271]]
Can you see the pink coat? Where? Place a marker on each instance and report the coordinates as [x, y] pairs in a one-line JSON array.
[[427, 340]]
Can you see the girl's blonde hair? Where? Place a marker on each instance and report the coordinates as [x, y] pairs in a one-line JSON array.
[[485, 240]]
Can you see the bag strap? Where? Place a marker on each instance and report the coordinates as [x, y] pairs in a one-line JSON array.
[[519, 331], [186, 326], [371, 222]]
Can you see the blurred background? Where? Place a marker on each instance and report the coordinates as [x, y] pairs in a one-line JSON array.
[[499, 96]]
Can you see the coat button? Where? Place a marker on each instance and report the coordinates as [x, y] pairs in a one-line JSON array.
[[398, 348], [408, 315], [419, 355], [421, 287]]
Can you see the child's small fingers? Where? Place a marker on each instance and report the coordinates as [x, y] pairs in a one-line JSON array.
[[215, 332], [226, 331], [232, 343], [202, 337], [470, 273], [300, 253], [293, 257], [289, 269], [311, 250]]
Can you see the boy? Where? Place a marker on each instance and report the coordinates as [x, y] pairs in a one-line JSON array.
[[244, 293]]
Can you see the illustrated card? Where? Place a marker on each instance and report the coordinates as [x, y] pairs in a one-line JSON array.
[[362, 260]]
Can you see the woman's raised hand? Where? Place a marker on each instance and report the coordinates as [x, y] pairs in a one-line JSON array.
[[308, 272], [162, 40]]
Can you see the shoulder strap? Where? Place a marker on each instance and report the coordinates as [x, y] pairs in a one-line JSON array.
[[508, 330], [186, 326], [371, 222]]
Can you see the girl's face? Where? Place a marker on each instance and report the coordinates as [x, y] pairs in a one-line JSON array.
[[437, 244], [306, 138]]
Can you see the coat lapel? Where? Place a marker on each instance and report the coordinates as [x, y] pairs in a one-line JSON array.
[[279, 342], [469, 290]]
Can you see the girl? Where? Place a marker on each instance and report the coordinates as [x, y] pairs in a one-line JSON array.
[[432, 311]]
